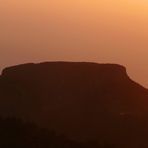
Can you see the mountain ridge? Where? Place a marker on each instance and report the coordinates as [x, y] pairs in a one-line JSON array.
[[7, 69], [79, 99]]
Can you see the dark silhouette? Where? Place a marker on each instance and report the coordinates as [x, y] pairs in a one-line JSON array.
[[18, 134], [83, 101]]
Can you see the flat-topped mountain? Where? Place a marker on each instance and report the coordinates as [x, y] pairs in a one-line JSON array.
[[81, 100]]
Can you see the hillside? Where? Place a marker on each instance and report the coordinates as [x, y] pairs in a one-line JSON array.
[[80, 100]]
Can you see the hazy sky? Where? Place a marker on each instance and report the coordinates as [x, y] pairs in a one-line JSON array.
[[108, 31]]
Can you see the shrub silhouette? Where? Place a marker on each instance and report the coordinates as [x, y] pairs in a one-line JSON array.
[[18, 134]]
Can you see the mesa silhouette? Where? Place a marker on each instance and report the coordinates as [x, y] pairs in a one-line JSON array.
[[80, 100]]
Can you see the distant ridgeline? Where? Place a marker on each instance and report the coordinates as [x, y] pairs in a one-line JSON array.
[[81, 100]]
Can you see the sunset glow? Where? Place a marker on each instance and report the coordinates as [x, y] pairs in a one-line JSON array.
[[76, 30]]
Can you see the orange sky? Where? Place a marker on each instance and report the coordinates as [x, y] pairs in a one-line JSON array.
[[112, 31]]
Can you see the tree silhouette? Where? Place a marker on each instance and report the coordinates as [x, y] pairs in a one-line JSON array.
[[18, 134]]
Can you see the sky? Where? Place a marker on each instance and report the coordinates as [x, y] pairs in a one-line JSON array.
[[102, 31]]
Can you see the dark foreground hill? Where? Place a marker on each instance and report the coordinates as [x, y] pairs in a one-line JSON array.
[[18, 134], [80, 100]]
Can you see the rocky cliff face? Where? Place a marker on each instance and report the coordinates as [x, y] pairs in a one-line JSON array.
[[81, 100]]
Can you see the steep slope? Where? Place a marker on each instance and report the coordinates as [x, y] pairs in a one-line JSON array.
[[81, 100]]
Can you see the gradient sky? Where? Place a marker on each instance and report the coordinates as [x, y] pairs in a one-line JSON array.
[[108, 31]]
